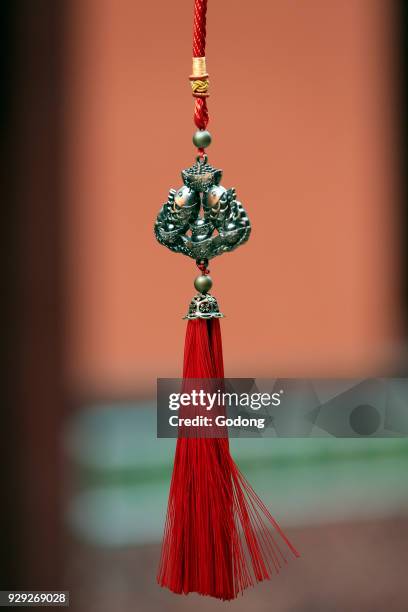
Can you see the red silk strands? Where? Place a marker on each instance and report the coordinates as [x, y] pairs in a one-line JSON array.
[[218, 536]]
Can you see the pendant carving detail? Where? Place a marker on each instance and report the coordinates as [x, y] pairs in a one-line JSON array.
[[202, 219]]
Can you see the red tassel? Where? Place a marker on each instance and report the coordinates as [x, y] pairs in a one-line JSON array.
[[218, 534]]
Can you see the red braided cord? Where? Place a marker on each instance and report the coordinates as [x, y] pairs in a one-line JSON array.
[[199, 34], [199, 31], [201, 113]]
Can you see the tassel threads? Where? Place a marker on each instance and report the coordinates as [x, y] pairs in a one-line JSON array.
[[218, 536]]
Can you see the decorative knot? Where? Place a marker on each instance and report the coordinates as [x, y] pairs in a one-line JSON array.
[[200, 88]]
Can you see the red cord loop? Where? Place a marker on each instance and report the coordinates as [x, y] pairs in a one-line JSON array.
[[202, 266], [201, 155]]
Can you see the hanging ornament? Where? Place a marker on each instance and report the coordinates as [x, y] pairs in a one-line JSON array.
[[219, 537]]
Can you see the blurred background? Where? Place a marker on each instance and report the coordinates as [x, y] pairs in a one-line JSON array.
[[307, 113]]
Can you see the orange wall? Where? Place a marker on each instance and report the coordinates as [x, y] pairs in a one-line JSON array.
[[302, 120]]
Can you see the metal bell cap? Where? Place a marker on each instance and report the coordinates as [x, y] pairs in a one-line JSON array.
[[203, 306]]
